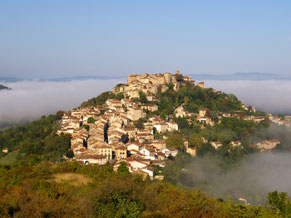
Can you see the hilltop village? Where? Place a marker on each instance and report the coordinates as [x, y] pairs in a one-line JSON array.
[[129, 129]]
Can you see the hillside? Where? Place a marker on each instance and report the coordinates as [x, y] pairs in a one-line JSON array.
[[157, 126], [250, 76]]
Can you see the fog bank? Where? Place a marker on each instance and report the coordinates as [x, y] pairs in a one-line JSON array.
[[252, 179], [271, 96], [28, 100]]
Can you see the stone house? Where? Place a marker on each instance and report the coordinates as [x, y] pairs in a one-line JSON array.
[[136, 163], [160, 155], [149, 107], [126, 102], [113, 103], [191, 151], [91, 158], [235, 143], [226, 115], [77, 141], [170, 151], [134, 146], [149, 170], [103, 149], [201, 85], [131, 131], [120, 152], [203, 112], [148, 152], [145, 136], [205, 121], [259, 119], [268, 145], [133, 93], [156, 120], [172, 126], [181, 112], [151, 97], [187, 78], [161, 127], [216, 145], [5, 150], [159, 144], [136, 113]]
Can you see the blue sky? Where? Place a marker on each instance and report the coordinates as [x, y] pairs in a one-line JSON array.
[[68, 38]]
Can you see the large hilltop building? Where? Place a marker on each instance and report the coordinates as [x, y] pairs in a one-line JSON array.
[[150, 84]]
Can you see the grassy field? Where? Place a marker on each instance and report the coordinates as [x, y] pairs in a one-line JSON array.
[[72, 178], [9, 158]]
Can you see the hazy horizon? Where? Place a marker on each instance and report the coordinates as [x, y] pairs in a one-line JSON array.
[[230, 76]]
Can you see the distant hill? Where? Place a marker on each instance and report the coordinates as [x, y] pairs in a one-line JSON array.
[[242, 76], [80, 78], [60, 79], [2, 87], [201, 77], [9, 79], [255, 76]]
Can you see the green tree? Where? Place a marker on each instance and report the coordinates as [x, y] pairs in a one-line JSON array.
[[182, 122], [119, 96], [100, 100], [70, 154], [139, 124], [123, 169], [87, 127], [91, 120], [279, 202], [205, 149], [226, 136], [142, 97], [175, 141], [186, 100], [196, 140], [179, 77], [59, 114], [163, 115]]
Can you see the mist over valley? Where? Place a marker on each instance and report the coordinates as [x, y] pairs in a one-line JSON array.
[[30, 99]]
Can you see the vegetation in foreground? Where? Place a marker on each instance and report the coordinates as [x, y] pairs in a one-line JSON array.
[[32, 188]]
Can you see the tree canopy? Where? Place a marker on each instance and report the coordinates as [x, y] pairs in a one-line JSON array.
[[175, 141]]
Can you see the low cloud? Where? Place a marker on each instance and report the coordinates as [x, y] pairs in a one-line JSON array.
[[29, 100], [270, 95], [252, 179]]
